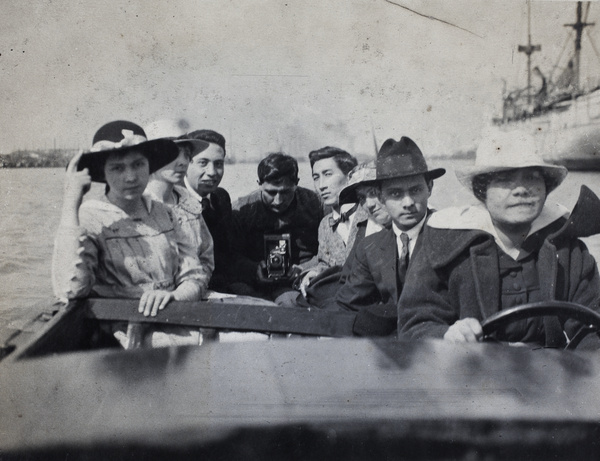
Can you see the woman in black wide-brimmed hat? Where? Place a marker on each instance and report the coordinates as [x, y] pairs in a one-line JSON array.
[[124, 245]]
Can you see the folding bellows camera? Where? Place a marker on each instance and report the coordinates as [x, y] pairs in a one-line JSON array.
[[278, 254]]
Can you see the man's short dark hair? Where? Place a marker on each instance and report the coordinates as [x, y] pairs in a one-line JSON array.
[[208, 136], [343, 159], [277, 166]]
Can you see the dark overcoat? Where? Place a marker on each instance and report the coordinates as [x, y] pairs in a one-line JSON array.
[[456, 276]]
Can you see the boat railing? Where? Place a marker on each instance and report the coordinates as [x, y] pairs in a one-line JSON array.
[[73, 324]]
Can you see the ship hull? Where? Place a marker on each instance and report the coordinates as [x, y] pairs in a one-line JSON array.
[[569, 133]]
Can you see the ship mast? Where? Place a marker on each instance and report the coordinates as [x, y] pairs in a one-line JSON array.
[[529, 49], [578, 27]]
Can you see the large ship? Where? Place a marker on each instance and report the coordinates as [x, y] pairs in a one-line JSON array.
[[563, 112]]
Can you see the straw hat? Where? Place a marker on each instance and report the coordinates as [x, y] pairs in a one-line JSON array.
[[399, 159], [176, 131], [363, 174], [508, 150], [120, 137]]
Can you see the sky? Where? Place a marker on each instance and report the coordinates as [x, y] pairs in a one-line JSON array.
[[272, 74]]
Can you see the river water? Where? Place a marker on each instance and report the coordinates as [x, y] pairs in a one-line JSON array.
[[30, 200]]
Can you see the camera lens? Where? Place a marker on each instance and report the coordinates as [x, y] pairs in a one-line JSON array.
[[276, 261]]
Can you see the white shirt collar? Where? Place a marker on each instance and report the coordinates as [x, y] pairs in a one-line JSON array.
[[343, 228], [413, 234], [343, 209], [372, 227], [192, 191]]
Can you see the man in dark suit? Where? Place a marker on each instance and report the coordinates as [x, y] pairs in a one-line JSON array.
[[202, 180], [381, 260], [278, 208]]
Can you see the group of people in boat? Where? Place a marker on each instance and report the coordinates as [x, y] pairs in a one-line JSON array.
[[364, 241]]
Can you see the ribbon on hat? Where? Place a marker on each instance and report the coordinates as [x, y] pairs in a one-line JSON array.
[[129, 139]]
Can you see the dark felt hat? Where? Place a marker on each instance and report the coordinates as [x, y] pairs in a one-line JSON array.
[[398, 159], [120, 137]]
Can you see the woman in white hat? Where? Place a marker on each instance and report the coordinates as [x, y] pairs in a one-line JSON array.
[[513, 248], [165, 185], [124, 245]]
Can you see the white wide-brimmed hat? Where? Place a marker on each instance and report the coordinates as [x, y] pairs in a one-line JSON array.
[[175, 130], [508, 150]]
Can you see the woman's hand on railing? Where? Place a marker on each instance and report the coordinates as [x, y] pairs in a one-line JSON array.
[[153, 301]]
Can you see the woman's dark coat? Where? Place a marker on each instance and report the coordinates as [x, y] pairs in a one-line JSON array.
[[456, 275]]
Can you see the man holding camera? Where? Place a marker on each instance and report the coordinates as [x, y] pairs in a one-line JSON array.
[[373, 287], [275, 228]]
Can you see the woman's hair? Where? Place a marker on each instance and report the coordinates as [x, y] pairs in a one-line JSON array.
[[481, 182], [186, 149], [277, 166], [343, 159]]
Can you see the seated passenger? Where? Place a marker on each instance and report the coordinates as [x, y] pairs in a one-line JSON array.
[[204, 174], [369, 218], [124, 245], [164, 186], [337, 231], [378, 272], [372, 216], [278, 207], [514, 247]]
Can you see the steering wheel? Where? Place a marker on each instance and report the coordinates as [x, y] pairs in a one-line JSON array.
[[587, 316]]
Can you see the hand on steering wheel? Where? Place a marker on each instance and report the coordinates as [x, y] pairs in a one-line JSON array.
[[585, 315]]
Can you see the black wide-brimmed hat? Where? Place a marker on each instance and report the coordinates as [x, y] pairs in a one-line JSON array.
[[398, 159], [120, 137]]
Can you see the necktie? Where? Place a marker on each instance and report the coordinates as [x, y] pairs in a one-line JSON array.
[[207, 210], [205, 203], [343, 217], [403, 257]]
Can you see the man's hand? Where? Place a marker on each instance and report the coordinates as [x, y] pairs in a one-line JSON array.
[[153, 301], [464, 331], [261, 274], [263, 278], [306, 281]]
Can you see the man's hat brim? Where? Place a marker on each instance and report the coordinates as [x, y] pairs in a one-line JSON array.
[[159, 152], [428, 174]]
